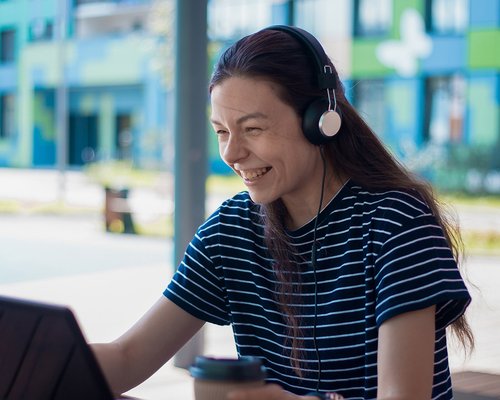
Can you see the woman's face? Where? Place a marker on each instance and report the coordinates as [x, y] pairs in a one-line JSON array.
[[260, 138]]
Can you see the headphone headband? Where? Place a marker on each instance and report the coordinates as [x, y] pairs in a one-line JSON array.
[[324, 74], [321, 120]]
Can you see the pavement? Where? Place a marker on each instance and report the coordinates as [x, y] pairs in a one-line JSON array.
[[110, 280]]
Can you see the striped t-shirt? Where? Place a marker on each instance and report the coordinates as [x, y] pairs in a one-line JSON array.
[[379, 254]]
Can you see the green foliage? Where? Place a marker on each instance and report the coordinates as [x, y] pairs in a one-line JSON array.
[[468, 170], [121, 174], [485, 242]]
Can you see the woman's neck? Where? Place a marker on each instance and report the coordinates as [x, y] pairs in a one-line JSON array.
[[301, 213]]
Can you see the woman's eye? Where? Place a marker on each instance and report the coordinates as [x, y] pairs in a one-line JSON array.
[[252, 129]]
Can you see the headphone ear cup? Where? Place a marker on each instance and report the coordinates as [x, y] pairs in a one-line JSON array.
[[320, 124]]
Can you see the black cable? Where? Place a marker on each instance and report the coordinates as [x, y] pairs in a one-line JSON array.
[[313, 263]]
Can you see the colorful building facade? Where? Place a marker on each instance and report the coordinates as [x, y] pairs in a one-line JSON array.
[[424, 73], [115, 99]]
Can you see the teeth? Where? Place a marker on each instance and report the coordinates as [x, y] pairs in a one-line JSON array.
[[253, 174]]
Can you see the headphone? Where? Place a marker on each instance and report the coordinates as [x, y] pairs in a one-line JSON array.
[[320, 122]]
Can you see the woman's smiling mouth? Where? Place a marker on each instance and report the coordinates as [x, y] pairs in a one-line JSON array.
[[253, 174]]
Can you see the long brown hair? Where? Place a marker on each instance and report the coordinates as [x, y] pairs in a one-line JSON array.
[[355, 152]]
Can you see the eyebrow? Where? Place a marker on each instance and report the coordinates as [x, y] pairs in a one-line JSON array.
[[244, 118]]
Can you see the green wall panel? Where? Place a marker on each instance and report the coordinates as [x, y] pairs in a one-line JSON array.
[[484, 124], [44, 118], [106, 126], [43, 57], [4, 147], [402, 100], [398, 7], [119, 65], [364, 60], [484, 49]]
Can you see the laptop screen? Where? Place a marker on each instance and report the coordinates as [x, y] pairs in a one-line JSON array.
[[44, 355]]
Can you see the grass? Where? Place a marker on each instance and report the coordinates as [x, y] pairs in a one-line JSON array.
[[462, 199], [121, 173], [477, 241], [482, 242]]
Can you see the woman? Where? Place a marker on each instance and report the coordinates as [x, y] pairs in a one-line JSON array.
[[336, 268]]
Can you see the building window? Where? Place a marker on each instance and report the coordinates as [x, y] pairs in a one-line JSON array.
[[83, 138], [229, 19], [372, 17], [323, 18], [7, 116], [445, 110], [41, 29], [7, 45], [124, 137], [369, 100], [447, 16]]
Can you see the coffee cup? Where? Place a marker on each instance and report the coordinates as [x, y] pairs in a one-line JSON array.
[[214, 377]]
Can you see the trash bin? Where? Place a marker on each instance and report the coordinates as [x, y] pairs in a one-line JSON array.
[[117, 213]]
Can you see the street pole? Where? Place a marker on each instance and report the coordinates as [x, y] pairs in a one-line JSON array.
[[190, 136], [290, 12], [62, 101]]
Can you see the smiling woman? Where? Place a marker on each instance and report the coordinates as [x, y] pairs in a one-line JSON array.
[[336, 267], [261, 139]]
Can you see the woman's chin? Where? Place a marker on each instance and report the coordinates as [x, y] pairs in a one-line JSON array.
[[260, 198]]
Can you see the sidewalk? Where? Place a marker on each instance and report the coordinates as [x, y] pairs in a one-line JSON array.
[[70, 260], [111, 280], [108, 280]]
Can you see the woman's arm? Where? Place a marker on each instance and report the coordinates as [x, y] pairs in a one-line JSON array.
[[146, 346], [406, 356]]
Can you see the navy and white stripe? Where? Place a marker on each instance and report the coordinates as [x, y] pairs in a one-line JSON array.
[[380, 254]]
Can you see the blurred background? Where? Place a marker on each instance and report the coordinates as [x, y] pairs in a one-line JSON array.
[[88, 82], [88, 136], [88, 85]]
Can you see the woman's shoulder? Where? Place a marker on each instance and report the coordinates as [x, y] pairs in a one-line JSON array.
[[395, 203], [238, 206], [239, 203], [237, 216]]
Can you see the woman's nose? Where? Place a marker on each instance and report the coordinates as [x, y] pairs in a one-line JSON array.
[[233, 149]]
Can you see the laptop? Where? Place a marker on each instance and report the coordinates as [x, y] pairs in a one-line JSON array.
[[44, 355]]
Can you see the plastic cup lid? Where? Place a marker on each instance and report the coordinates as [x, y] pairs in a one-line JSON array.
[[228, 369]]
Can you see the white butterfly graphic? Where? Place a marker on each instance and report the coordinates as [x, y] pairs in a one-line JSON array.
[[403, 55]]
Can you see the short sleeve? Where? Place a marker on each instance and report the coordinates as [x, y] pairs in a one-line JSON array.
[[416, 269], [197, 286]]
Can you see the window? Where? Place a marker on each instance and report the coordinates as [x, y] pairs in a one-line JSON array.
[[445, 109], [447, 16], [323, 18], [369, 100], [124, 137], [228, 19], [7, 45], [372, 17], [41, 29], [83, 139], [7, 116]]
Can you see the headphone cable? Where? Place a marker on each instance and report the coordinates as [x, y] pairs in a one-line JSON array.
[[313, 263]]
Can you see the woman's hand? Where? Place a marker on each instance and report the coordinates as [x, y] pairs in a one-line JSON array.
[[266, 392]]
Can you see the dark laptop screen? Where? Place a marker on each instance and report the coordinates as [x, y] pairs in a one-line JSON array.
[[43, 354]]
